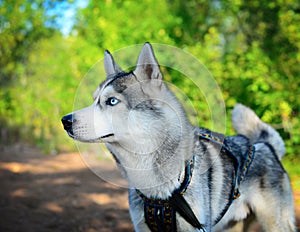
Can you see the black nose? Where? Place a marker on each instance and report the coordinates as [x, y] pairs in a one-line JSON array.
[[67, 122]]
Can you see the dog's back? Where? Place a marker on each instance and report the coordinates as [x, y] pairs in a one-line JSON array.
[[266, 190]]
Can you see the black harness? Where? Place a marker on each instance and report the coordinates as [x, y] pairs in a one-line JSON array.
[[160, 215], [241, 165]]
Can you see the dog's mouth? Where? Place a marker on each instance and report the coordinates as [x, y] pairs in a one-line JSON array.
[[70, 133], [99, 139], [106, 136]]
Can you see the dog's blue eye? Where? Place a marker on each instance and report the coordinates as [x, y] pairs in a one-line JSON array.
[[112, 101]]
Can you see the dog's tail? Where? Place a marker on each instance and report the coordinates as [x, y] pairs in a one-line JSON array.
[[247, 123]]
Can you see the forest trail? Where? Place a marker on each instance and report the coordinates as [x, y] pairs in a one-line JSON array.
[[41, 193]]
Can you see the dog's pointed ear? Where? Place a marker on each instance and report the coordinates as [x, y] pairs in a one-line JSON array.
[[147, 66], [110, 66]]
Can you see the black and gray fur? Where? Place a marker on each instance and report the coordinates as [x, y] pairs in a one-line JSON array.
[[148, 133]]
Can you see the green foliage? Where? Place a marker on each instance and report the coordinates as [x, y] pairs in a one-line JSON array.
[[21, 24], [117, 24], [251, 49]]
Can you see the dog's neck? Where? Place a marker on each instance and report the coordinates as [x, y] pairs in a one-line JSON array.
[[156, 174]]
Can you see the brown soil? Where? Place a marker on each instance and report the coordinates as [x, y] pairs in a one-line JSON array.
[[41, 193]]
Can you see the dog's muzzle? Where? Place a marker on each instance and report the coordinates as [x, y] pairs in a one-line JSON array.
[[67, 122]]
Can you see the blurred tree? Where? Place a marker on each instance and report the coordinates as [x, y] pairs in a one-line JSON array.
[[117, 24], [251, 48], [22, 23]]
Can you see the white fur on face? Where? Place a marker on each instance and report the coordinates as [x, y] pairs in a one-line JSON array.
[[94, 123], [90, 125]]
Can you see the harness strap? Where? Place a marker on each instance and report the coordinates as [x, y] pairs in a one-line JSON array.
[[183, 208], [240, 171], [244, 169], [160, 215]]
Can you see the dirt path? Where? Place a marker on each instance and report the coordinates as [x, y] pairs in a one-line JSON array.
[[41, 193]]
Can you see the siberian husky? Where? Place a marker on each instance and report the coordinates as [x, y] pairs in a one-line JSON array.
[[184, 178]]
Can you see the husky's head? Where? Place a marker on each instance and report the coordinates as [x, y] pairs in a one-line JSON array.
[[133, 109]]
